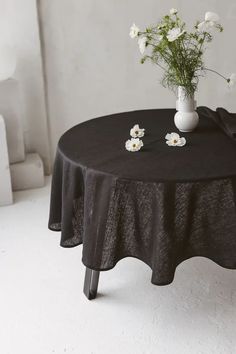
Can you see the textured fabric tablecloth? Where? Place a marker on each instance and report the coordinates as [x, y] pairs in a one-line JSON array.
[[161, 205]]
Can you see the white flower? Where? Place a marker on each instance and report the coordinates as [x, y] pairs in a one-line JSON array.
[[133, 144], [232, 80], [173, 139], [137, 132], [174, 34], [210, 22], [134, 31], [142, 44], [212, 17], [173, 11]]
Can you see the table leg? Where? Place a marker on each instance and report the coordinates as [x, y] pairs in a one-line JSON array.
[[91, 283]]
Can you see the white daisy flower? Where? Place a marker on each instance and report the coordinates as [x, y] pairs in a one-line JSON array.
[[134, 31], [133, 145], [232, 80], [211, 20], [173, 139], [173, 11], [142, 44], [137, 132], [174, 34]]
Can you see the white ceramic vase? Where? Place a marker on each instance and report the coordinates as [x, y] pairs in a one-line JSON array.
[[186, 119]]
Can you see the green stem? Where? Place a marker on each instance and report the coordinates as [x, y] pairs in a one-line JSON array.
[[216, 72]]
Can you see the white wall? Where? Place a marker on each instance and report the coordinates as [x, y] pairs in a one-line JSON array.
[[19, 27], [93, 66]]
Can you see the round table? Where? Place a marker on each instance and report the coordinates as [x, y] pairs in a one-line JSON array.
[[161, 204]]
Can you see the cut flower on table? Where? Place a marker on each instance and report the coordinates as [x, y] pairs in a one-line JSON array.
[[137, 132], [173, 139], [134, 144]]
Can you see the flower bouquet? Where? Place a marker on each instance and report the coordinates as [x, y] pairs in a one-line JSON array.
[[179, 53]]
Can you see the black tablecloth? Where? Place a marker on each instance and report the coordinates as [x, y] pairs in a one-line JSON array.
[[162, 204]]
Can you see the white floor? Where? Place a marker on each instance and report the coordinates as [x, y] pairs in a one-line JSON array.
[[43, 309]]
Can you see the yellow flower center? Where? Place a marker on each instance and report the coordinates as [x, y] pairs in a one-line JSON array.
[[134, 145], [175, 141]]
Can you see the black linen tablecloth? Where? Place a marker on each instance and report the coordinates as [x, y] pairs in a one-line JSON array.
[[161, 205]]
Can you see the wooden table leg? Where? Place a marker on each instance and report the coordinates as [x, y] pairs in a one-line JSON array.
[[91, 283]]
